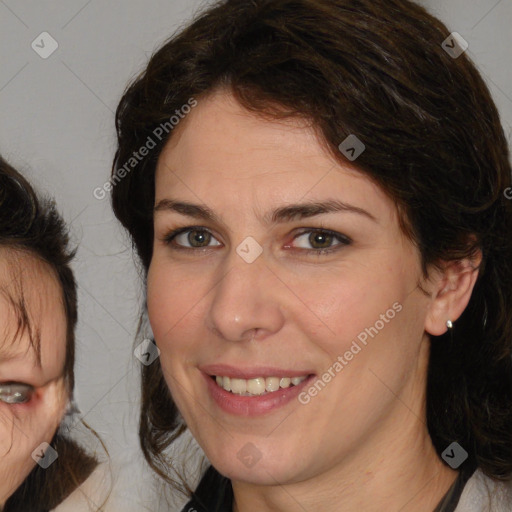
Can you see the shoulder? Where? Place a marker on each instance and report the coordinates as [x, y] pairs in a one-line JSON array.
[[91, 494], [483, 494]]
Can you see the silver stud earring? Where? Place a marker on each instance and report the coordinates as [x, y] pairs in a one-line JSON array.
[[449, 324]]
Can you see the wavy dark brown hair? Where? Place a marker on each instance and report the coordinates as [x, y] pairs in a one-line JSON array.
[[32, 226], [434, 144]]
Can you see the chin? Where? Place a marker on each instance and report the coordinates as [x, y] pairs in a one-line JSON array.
[[256, 467]]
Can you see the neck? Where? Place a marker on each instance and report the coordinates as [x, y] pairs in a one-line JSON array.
[[395, 467], [416, 480]]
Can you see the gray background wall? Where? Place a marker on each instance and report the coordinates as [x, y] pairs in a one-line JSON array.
[[56, 125]]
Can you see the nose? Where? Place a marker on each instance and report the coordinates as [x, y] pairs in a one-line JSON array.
[[247, 302]]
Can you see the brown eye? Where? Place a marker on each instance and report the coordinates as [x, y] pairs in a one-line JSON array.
[[190, 238], [202, 238], [15, 393], [322, 241]]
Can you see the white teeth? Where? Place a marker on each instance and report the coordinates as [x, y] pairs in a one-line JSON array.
[[257, 386], [271, 383], [226, 383], [238, 386], [285, 382]]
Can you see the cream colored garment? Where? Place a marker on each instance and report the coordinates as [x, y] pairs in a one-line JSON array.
[[481, 494], [92, 494]]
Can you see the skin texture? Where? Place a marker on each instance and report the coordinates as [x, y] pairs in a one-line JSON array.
[[360, 443], [23, 427]]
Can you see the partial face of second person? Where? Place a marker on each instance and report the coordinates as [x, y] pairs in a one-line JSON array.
[[205, 301], [32, 416]]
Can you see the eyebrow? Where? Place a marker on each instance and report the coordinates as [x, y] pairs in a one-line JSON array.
[[279, 215]]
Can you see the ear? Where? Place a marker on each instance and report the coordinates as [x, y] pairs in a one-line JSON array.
[[451, 293]]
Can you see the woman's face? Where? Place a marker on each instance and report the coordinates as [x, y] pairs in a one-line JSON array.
[[247, 296], [31, 410]]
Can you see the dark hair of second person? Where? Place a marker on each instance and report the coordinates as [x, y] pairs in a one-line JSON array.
[[34, 249]]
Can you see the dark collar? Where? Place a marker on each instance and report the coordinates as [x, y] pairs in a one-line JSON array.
[[213, 494], [451, 499]]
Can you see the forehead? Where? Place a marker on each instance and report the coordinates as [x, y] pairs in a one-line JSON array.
[[219, 130], [32, 318], [222, 153]]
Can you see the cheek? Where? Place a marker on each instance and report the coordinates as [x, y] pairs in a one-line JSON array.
[[16, 464], [342, 305], [168, 303], [174, 302], [53, 405], [23, 428], [26, 426]]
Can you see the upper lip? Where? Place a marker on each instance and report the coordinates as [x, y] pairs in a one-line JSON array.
[[252, 372]]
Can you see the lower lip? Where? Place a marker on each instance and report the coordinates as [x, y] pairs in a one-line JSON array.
[[253, 405]]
